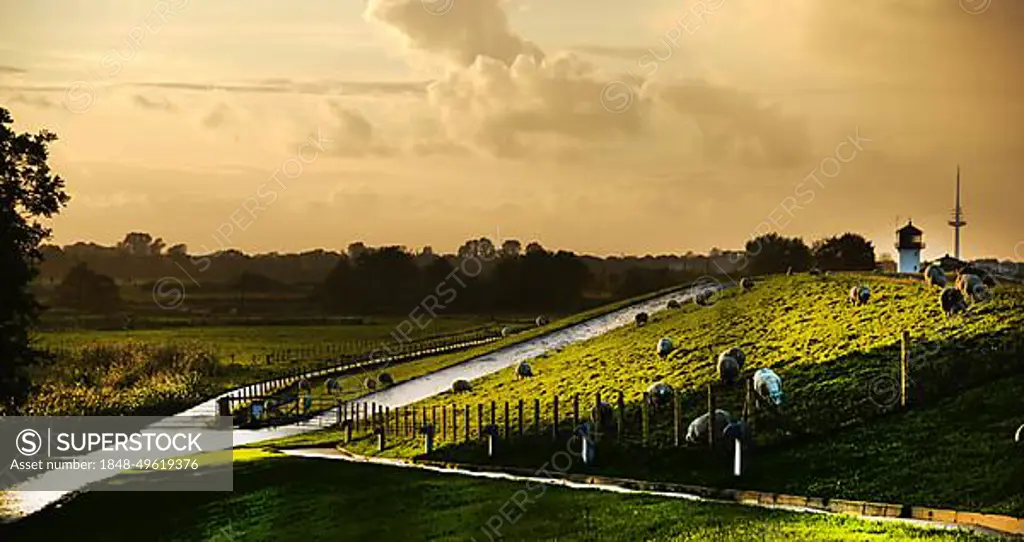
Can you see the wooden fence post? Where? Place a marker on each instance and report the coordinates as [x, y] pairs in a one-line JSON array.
[[621, 418], [480, 419], [520, 418], [507, 436], [467, 423], [575, 411], [433, 416], [444, 423], [414, 420], [711, 417], [598, 419], [536, 416], [493, 408], [677, 415], [554, 426], [904, 366], [644, 418]]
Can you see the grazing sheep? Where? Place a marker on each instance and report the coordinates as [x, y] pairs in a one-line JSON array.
[[460, 386], [673, 304], [665, 346], [542, 321], [386, 379], [505, 331], [859, 295], [730, 364], [768, 386], [641, 319], [603, 416], [703, 297], [660, 394], [935, 276], [972, 287], [747, 283], [697, 433], [524, 370], [953, 301], [333, 385], [370, 383]]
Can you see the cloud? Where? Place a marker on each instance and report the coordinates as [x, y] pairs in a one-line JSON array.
[[504, 97], [353, 134], [39, 102], [457, 30], [158, 104], [625, 53], [11, 70], [288, 86], [220, 116]]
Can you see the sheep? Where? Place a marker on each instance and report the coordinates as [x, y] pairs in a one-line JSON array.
[[859, 295], [333, 385], [952, 301], [703, 297], [730, 364], [972, 287], [660, 394], [768, 386], [814, 272], [524, 370], [386, 379], [747, 283], [370, 383], [641, 319], [460, 386], [665, 346], [506, 331], [603, 416], [673, 304], [542, 321], [935, 276], [697, 433]]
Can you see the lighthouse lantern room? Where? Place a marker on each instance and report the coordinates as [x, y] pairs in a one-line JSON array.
[[909, 244]]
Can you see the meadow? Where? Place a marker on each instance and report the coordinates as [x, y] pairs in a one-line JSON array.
[[282, 499], [841, 433]]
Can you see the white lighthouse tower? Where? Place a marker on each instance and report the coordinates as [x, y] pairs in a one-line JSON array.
[[909, 244]]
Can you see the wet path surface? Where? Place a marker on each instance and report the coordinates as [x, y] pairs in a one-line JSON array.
[[23, 502]]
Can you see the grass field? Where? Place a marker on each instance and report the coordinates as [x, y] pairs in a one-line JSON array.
[[284, 499], [954, 448]]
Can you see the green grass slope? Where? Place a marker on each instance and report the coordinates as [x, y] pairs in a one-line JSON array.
[[284, 499], [840, 369]]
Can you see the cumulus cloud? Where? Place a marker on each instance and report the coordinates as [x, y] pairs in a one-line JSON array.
[[353, 134], [505, 97]]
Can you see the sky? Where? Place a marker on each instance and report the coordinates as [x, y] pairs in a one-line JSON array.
[[599, 126]]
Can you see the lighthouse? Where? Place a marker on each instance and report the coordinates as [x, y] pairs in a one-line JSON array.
[[909, 245]]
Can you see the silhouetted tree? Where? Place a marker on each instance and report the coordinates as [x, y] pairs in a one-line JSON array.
[[86, 290], [773, 253], [511, 248], [28, 191], [848, 252]]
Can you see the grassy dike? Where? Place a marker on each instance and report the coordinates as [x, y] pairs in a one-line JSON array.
[[954, 447]]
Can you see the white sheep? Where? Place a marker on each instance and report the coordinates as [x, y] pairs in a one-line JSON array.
[[768, 386], [859, 295], [542, 321], [972, 287], [506, 331], [935, 276], [370, 383], [747, 283], [665, 346], [524, 370], [697, 433]]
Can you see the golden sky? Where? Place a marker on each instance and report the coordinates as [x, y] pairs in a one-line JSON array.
[[600, 126]]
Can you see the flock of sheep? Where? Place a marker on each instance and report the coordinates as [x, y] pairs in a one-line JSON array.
[[969, 285]]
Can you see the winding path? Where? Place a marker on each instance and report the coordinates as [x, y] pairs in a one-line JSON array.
[[23, 500]]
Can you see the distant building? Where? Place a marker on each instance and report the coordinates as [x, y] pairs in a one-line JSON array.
[[886, 266], [948, 263], [909, 243]]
